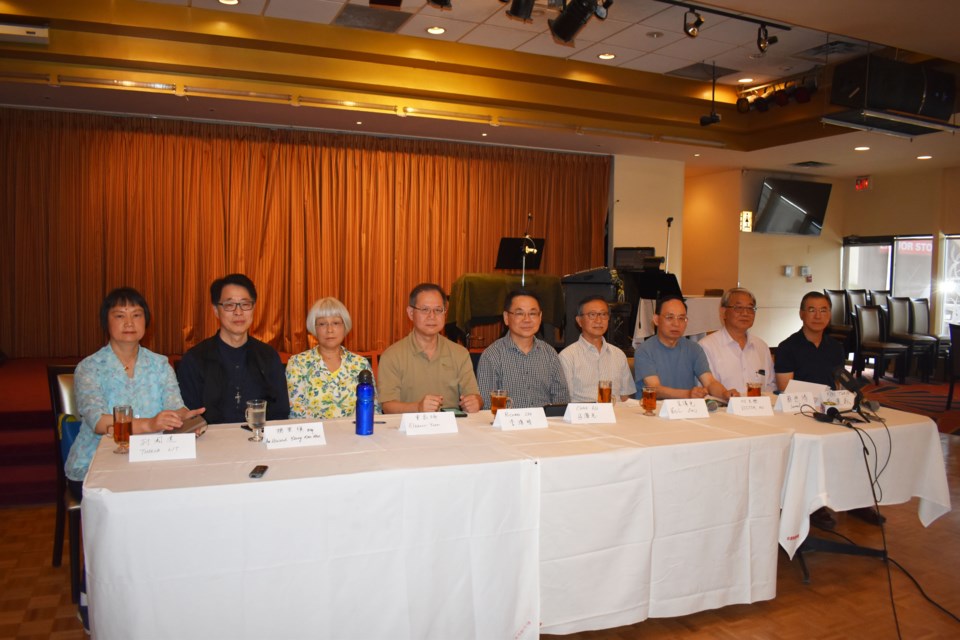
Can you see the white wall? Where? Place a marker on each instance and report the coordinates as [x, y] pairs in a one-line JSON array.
[[646, 193]]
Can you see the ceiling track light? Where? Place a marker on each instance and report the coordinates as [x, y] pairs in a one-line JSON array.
[[714, 117], [691, 25], [763, 40], [520, 9], [574, 16]]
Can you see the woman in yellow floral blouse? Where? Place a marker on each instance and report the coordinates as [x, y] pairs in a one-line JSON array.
[[322, 382]]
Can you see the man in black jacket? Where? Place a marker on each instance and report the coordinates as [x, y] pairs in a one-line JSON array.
[[226, 370]]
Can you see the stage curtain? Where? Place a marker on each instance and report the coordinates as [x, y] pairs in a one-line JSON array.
[[92, 202]]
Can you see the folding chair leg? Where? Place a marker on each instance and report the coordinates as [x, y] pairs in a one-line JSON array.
[[74, 555], [58, 533]]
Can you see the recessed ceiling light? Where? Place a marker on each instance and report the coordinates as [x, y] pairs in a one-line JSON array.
[[484, 135], [654, 34], [861, 148], [924, 157], [230, 2], [607, 56], [436, 31], [359, 121], [696, 155], [745, 80]]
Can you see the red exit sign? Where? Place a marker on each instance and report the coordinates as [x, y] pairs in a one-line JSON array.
[[862, 183]]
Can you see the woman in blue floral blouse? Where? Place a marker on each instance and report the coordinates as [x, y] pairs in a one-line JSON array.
[[322, 382]]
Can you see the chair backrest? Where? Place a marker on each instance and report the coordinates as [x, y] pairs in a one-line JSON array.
[[65, 430], [869, 323], [920, 316], [879, 297], [898, 310], [60, 380], [838, 307], [855, 298], [955, 349]]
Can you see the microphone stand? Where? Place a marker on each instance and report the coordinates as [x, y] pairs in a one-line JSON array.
[[666, 266], [529, 246]]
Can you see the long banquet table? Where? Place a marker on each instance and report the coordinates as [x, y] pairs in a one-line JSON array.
[[479, 534]]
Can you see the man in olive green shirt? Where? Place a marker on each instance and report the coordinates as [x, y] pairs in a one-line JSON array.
[[424, 371]]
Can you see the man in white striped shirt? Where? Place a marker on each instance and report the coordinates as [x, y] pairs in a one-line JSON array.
[[591, 358]]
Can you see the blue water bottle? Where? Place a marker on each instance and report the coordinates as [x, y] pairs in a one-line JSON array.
[[365, 406]]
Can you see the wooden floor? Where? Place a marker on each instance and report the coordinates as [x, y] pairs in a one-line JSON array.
[[847, 597]]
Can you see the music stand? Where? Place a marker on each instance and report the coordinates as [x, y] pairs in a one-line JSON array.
[[520, 253]]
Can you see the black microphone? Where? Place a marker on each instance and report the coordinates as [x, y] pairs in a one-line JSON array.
[[822, 417], [669, 221]]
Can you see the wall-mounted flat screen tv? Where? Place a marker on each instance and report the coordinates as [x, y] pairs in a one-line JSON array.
[[791, 207]]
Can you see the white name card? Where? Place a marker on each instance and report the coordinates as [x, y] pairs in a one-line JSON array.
[[428, 423], [589, 413], [744, 406], [684, 409], [520, 419], [793, 402], [163, 446], [287, 434], [843, 399]]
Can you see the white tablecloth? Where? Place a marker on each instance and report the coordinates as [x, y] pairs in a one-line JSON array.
[[827, 468], [703, 317], [480, 534], [382, 537]]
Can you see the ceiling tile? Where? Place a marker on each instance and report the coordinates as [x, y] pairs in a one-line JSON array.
[[501, 37], [418, 25], [544, 44], [319, 11], [636, 37], [623, 55]]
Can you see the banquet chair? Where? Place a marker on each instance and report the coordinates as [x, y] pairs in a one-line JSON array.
[[872, 343], [899, 331], [920, 324], [854, 298], [66, 428], [840, 327], [953, 368], [878, 297]]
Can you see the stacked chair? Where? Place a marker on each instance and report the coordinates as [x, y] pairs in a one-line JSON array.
[[872, 343], [901, 331]]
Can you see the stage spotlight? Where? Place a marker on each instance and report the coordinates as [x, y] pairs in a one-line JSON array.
[[573, 17], [760, 104], [691, 25], [521, 10], [713, 118], [743, 105], [764, 41]]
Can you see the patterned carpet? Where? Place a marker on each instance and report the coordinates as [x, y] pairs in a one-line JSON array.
[[926, 399]]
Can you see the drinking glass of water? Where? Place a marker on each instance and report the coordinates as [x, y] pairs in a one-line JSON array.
[[256, 417]]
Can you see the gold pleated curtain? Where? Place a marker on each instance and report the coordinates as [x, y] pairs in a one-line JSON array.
[[95, 202]]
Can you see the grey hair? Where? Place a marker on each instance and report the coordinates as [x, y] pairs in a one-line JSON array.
[[730, 292], [328, 308]]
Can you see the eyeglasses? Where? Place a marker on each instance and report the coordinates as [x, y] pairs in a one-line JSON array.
[[672, 318], [742, 309], [230, 307], [430, 311], [593, 315], [815, 310], [519, 315], [326, 324]]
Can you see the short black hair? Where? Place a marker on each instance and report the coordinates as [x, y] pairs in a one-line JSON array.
[[508, 301], [592, 298], [426, 286], [814, 294], [661, 301], [122, 296], [216, 289]]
